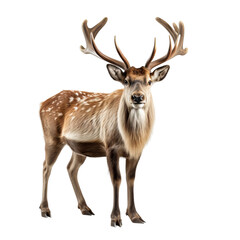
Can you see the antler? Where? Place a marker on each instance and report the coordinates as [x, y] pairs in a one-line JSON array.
[[176, 33], [90, 34]]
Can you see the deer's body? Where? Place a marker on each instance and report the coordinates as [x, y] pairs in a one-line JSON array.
[[93, 123], [114, 125]]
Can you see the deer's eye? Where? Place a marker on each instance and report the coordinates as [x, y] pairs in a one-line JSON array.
[[125, 82]]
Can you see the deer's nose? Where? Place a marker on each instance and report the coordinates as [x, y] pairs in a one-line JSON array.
[[137, 98]]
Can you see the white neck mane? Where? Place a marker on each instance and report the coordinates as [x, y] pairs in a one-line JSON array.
[[135, 127]]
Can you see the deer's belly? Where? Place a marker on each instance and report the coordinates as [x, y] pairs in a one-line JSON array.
[[89, 149], [89, 134]]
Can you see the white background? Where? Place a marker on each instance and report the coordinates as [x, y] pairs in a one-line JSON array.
[[187, 183]]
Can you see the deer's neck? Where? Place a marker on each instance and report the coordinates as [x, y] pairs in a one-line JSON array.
[[135, 126]]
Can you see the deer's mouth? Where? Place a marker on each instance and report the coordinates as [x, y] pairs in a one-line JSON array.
[[138, 105]]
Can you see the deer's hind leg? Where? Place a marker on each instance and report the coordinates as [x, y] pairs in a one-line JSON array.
[[52, 150], [73, 167]]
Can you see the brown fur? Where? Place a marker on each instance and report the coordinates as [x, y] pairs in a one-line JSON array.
[[137, 71]]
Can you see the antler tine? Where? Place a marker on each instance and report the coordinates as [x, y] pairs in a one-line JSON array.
[[176, 27], [152, 55], [91, 48], [94, 30], [121, 54], [105, 57], [177, 35], [181, 32], [169, 28], [98, 27], [162, 59]]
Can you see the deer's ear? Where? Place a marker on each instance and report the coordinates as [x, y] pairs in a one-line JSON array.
[[159, 73], [116, 73]]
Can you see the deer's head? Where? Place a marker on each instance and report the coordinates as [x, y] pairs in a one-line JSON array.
[[137, 82]]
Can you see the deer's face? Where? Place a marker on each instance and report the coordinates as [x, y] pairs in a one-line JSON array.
[[137, 83]]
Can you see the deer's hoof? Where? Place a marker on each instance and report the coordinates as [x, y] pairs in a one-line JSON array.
[[86, 211], [116, 222], [137, 220], [45, 212], [135, 217]]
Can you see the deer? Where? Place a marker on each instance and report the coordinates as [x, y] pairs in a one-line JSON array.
[[111, 125]]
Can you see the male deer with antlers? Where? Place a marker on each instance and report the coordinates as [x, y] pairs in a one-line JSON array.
[[114, 125]]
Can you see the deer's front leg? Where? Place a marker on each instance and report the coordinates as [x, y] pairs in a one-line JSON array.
[[131, 165], [113, 165]]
